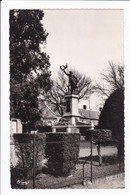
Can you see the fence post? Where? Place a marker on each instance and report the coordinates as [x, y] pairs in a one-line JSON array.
[[83, 182], [92, 128], [91, 158], [33, 161]]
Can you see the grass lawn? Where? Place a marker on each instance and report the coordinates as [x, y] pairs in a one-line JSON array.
[[109, 167]]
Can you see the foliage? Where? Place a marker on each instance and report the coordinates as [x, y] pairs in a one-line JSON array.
[[112, 117], [112, 79], [56, 96], [98, 135], [24, 147], [62, 152], [29, 65], [102, 135], [24, 101]]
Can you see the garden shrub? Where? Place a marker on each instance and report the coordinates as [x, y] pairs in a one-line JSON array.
[[112, 117], [102, 135], [99, 135], [62, 151], [44, 129], [24, 150]]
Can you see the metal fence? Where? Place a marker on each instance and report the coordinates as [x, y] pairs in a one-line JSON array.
[[38, 176]]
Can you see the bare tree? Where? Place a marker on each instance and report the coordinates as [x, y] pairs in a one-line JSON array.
[[113, 78], [56, 96], [85, 86]]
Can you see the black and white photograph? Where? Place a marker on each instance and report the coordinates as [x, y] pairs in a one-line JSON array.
[[66, 98]]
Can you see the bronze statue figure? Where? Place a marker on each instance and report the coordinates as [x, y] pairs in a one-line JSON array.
[[72, 79]]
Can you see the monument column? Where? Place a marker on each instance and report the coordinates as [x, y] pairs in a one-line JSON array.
[[71, 112], [71, 97]]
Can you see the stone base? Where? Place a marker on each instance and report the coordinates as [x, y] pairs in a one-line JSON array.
[[72, 130], [67, 128]]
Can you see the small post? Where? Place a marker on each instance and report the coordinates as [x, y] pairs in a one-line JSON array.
[[92, 128], [68, 129], [33, 161], [54, 129], [83, 182]]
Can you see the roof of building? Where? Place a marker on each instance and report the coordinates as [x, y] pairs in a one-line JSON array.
[[89, 114], [47, 112], [86, 114]]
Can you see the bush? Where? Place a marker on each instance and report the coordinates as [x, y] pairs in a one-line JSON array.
[[112, 117], [62, 151], [15, 175], [99, 135], [44, 129], [102, 135], [24, 148]]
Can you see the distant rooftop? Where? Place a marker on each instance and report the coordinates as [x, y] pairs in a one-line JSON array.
[[47, 112]]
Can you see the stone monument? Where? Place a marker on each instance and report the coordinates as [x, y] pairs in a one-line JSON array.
[[71, 112]]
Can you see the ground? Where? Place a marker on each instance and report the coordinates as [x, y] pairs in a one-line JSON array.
[[109, 175], [105, 150], [110, 182]]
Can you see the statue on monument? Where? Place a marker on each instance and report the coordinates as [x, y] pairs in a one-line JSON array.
[[73, 81]]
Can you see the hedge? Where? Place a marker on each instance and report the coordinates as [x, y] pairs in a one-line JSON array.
[[24, 149], [44, 129], [62, 151], [102, 135], [99, 135]]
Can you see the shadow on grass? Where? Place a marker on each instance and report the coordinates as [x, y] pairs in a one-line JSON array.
[[46, 170], [49, 172], [106, 160]]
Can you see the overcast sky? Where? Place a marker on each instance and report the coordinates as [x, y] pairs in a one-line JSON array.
[[85, 39]]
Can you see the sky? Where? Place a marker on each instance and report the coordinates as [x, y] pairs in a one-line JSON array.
[[85, 39]]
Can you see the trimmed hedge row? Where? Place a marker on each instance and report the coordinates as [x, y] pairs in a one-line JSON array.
[[102, 135], [25, 152], [99, 135], [62, 151]]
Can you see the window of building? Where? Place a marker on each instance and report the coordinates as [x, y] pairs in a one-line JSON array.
[[84, 107]]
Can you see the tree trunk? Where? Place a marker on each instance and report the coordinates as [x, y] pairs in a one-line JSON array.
[[99, 154]]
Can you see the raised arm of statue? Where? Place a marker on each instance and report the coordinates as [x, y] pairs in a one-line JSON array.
[[72, 85], [63, 68]]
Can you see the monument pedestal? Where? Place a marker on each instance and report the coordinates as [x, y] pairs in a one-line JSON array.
[[68, 122], [71, 108]]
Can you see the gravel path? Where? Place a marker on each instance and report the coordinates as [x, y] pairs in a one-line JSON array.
[[105, 151]]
